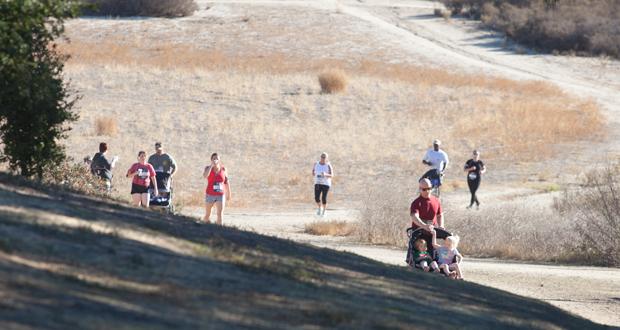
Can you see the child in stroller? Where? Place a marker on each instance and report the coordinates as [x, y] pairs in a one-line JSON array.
[[163, 201], [414, 251], [447, 256]]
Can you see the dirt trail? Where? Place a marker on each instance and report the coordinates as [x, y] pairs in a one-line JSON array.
[[590, 292]]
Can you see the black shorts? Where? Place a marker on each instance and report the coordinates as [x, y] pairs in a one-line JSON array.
[[138, 189]]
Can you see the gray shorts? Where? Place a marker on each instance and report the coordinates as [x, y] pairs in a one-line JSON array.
[[214, 198]]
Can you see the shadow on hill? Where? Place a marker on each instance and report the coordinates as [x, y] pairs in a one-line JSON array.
[[56, 274]]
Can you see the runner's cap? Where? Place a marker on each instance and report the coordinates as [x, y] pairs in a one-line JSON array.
[[157, 144], [437, 142]]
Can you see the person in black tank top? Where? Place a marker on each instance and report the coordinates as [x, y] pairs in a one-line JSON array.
[[474, 169]]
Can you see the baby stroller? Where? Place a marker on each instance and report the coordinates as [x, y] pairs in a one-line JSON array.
[[414, 234], [162, 202], [434, 175]]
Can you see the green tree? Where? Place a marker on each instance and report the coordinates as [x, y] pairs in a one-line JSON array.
[[35, 103]]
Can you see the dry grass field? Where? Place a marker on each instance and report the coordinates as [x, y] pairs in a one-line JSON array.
[[270, 122]]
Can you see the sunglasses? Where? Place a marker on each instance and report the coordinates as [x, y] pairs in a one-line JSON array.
[[426, 189]]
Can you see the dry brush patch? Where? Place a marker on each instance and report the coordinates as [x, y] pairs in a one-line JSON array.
[[330, 228]]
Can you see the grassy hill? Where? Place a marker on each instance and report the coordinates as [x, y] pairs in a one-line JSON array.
[[70, 261]]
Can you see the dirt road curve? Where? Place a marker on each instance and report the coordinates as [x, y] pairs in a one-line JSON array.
[[590, 292]]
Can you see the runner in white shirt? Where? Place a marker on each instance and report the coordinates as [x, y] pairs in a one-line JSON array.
[[322, 172], [436, 158]]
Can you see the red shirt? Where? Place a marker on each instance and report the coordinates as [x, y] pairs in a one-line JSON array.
[[426, 208], [145, 172], [216, 181]]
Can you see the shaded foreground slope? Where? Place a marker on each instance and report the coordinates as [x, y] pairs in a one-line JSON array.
[[69, 261]]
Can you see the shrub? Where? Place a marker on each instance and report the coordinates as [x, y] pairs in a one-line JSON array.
[[36, 104], [333, 81], [106, 126], [152, 8], [331, 228], [74, 177], [580, 26], [594, 208]]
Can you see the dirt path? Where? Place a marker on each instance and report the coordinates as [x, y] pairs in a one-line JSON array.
[[591, 292]]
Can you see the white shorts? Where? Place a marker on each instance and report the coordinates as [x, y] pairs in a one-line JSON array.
[[214, 198]]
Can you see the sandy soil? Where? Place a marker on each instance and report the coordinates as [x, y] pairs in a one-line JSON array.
[[590, 292]]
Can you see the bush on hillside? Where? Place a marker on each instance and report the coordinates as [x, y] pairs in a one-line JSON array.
[[594, 208], [151, 8], [577, 26], [333, 81]]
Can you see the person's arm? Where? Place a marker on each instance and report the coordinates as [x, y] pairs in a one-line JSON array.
[[228, 190], [426, 160], [154, 183], [468, 168], [446, 161], [153, 179], [173, 166], [415, 218], [330, 174], [440, 221], [206, 172], [458, 257], [484, 168], [314, 170], [131, 172], [434, 240]]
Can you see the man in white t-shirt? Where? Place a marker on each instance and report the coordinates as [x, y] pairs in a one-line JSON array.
[[436, 158]]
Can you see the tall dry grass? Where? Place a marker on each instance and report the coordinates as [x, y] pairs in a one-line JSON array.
[[331, 228], [527, 230]]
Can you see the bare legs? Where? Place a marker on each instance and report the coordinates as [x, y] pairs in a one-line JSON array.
[[140, 199], [219, 208]]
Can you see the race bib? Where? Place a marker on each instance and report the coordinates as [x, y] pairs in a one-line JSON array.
[[472, 175], [218, 187], [142, 173]]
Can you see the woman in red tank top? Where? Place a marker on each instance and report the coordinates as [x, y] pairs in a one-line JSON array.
[[218, 188]]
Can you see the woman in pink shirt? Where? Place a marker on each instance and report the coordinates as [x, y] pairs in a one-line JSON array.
[[218, 188], [143, 175]]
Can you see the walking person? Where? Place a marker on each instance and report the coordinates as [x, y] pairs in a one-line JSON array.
[[102, 167], [165, 166], [474, 169], [218, 188], [143, 175], [322, 172], [426, 213]]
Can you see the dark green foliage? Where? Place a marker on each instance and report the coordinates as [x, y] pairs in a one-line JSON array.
[[35, 102], [152, 8], [575, 26]]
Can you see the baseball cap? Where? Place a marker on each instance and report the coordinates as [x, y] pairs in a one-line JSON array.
[[437, 142], [157, 144]]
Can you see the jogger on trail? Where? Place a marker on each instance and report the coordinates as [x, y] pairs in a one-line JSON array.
[[218, 188], [437, 159], [474, 169], [143, 175], [322, 172]]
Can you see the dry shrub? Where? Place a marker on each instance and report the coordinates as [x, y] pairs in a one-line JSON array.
[[523, 231], [333, 81], [385, 217], [594, 209], [331, 228], [106, 126], [74, 177], [580, 26], [152, 8]]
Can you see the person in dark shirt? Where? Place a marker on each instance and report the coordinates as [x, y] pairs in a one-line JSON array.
[[474, 169], [102, 167]]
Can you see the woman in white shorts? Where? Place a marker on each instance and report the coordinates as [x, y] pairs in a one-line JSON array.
[[218, 188]]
